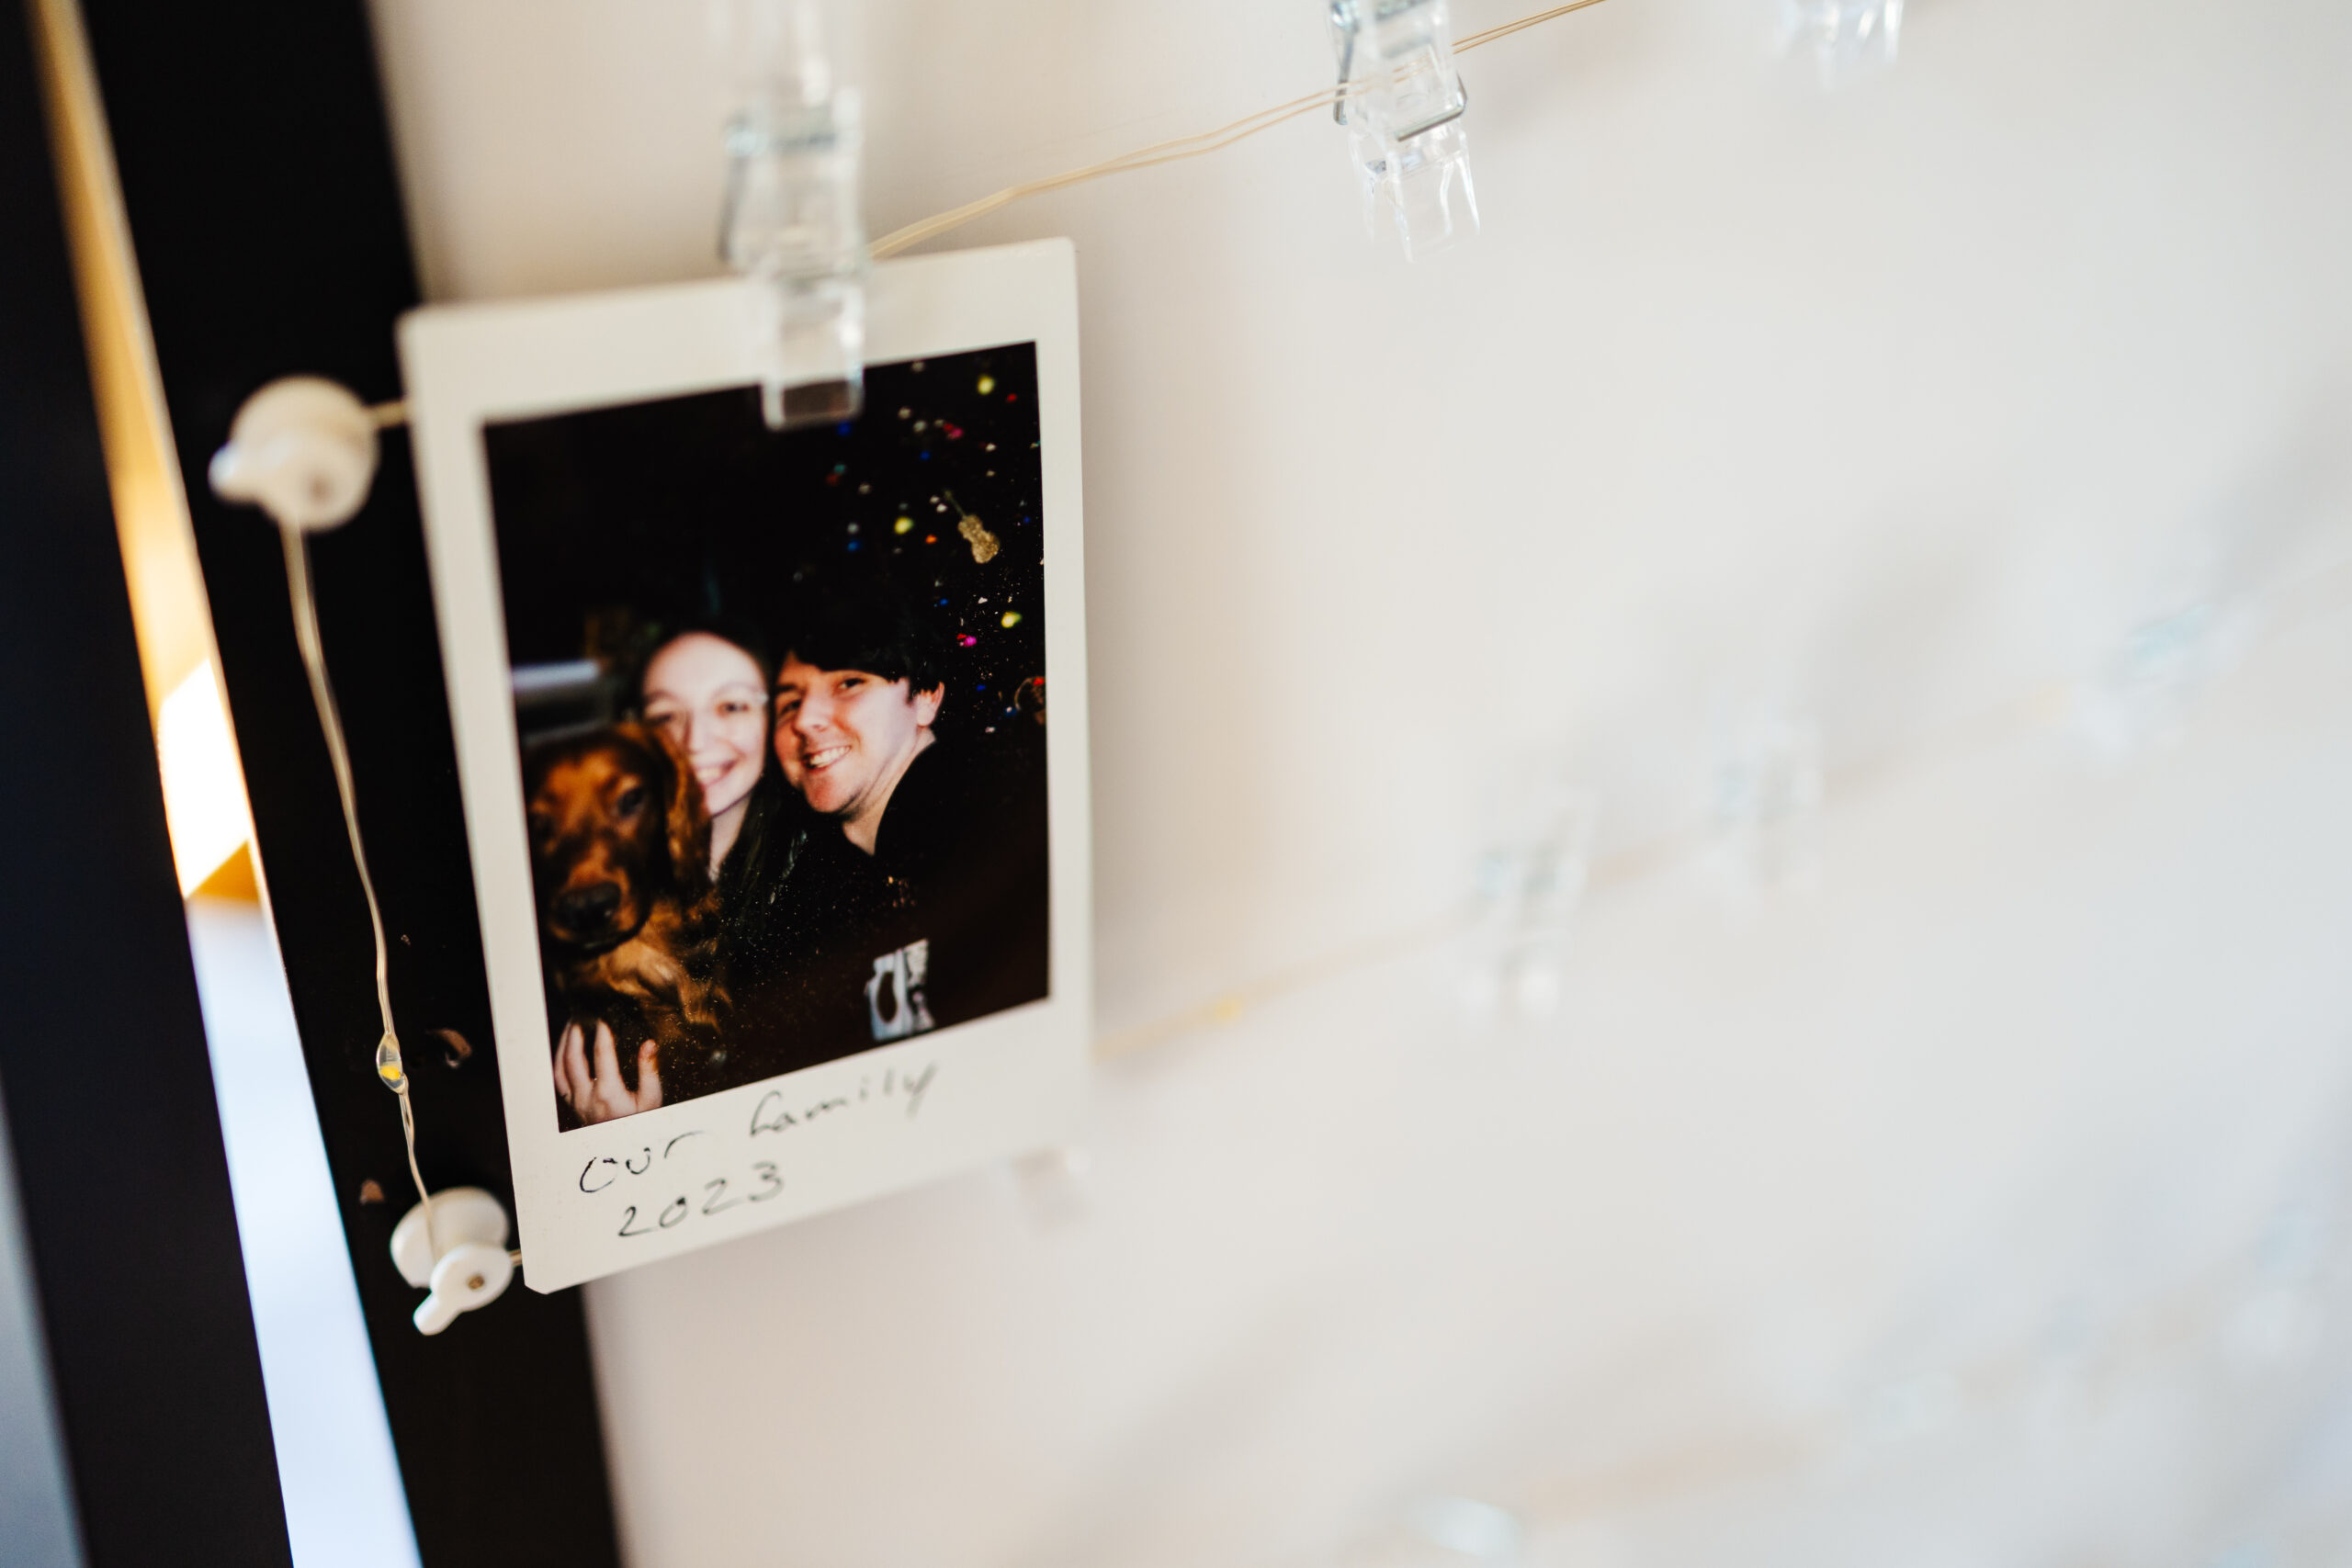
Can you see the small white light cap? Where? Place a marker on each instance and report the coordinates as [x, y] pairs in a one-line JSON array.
[[467, 1277], [303, 449], [462, 1259]]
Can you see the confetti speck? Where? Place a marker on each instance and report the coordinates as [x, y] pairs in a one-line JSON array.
[[903, 525], [1010, 619], [966, 640], [984, 544], [988, 385]]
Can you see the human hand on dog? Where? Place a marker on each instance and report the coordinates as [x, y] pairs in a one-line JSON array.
[[598, 1094]]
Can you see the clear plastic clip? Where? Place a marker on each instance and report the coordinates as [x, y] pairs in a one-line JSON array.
[[1402, 102], [792, 222], [1846, 38]]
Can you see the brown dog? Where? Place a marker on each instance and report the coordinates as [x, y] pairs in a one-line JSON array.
[[629, 923]]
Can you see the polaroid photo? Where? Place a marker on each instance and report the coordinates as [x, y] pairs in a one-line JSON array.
[[773, 745]]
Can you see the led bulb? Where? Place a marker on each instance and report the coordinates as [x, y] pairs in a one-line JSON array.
[[387, 1064]]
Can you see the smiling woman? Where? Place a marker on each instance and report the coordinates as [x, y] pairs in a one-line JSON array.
[[707, 693]]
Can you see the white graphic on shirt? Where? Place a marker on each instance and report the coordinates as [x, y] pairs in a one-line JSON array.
[[895, 1003]]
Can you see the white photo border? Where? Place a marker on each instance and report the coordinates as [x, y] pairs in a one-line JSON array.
[[688, 1176]]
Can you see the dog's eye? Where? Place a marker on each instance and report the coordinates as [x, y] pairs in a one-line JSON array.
[[632, 802]]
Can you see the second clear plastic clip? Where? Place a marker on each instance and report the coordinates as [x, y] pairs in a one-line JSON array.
[[1402, 102]]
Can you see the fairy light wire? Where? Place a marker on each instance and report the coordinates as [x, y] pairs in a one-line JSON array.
[[1178, 147], [1504, 29], [389, 1065]]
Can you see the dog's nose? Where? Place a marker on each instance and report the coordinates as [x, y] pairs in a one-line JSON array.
[[587, 910]]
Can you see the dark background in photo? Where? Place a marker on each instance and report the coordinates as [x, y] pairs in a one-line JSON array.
[[617, 525]]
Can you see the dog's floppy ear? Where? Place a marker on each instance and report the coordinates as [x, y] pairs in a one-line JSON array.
[[689, 824]]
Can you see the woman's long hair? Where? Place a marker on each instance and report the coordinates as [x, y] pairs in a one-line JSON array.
[[751, 879]]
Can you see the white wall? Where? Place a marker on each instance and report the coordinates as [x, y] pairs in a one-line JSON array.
[[1898, 407]]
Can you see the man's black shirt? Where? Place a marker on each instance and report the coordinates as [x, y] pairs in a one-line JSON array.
[[959, 866], [965, 835]]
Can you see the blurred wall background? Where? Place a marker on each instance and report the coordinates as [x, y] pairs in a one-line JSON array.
[[1915, 521]]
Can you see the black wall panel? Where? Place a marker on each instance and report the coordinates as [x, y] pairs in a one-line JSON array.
[[257, 174], [122, 1180]]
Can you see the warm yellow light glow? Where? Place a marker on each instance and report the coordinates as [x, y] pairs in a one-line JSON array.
[[204, 792], [204, 795]]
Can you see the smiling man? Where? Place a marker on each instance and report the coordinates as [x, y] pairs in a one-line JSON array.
[[925, 874], [845, 737]]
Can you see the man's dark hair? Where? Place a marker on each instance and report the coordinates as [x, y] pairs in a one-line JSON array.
[[859, 621]]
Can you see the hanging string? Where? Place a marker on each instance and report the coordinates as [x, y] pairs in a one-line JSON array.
[[1180, 147], [388, 1064]]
